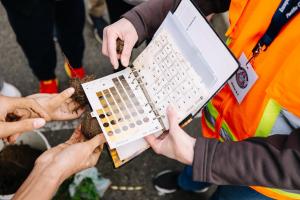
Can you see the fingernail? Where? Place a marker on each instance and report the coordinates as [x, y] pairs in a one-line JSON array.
[[71, 90], [125, 62], [38, 123]]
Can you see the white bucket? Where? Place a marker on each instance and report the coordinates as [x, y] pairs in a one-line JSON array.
[[34, 139]]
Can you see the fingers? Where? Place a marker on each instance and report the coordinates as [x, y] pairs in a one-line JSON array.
[[61, 98], [94, 158], [96, 141], [13, 138], [36, 110], [72, 107], [172, 117], [104, 43], [76, 136], [153, 142], [124, 30], [11, 128], [111, 44], [126, 53]]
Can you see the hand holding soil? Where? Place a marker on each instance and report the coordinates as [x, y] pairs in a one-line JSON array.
[[13, 122], [58, 163], [59, 106], [73, 155]]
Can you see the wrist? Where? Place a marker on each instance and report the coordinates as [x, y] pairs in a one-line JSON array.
[[190, 155], [50, 172], [41, 182], [186, 154]]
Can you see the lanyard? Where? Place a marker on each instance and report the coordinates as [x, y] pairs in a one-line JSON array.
[[284, 13]]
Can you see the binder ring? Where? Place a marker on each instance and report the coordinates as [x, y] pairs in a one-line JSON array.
[[135, 79], [157, 117], [139, 84], [132, 71], [149, 103], [153, 110]]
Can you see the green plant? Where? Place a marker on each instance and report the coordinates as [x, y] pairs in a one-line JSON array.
[[86, 190]]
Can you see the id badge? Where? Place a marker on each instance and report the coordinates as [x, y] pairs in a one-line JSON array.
[[243, 80]]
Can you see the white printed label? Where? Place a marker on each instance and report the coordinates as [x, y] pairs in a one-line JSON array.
[[243, 80]]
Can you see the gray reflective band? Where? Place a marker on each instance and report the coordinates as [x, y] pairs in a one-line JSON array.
[[285, 123], [209, 117]]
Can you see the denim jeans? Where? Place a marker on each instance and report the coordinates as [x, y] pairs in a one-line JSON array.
[[185, 182]]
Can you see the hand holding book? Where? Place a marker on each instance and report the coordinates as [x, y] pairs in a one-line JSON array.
[[124, 30], [178, 67], [175, 143]]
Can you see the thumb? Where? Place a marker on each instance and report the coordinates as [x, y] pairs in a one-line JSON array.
[[11, 128], [96, 141], [172, 118], [153, 142]]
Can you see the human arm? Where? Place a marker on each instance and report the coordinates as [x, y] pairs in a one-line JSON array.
[[142, 16], [12, 122], [58, 163], [272, 161], [141, 23], [18, 115]]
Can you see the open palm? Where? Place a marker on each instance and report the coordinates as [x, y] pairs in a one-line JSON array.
[[59, 106]]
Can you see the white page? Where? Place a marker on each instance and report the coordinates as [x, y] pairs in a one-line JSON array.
[[169, 75], [117, 109], [205, 39], [134, 148]]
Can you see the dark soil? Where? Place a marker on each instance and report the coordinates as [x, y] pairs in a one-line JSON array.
[[79, 95], [90, 126], [16, 163], [11, 117], [120, 46]]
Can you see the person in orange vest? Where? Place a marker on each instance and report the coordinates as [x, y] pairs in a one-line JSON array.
[[251, 142]]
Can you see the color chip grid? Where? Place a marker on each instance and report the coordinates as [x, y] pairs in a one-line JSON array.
[[121, 111]]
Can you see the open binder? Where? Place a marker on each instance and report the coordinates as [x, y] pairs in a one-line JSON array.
[[185, 64]]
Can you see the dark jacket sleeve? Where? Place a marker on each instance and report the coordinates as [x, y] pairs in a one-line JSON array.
[[272, 161], [147, 16]]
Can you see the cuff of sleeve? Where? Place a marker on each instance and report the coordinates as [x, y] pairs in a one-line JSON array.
[[138, 24], [203, 156]]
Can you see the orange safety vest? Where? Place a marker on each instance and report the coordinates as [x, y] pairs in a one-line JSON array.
[[277, 87]]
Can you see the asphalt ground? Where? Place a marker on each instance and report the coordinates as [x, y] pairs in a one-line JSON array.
[[140, 171]]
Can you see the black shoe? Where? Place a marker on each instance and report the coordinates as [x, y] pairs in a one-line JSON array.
[[165, 182], [99, 24]]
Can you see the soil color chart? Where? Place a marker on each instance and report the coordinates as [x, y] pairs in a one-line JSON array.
[[122, 109]]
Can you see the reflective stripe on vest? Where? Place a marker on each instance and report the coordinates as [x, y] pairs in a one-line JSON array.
[[264, 129], [269, 117], [276, 193], [278, 84]]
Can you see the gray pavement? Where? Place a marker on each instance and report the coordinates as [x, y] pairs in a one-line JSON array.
[[140, 171]]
